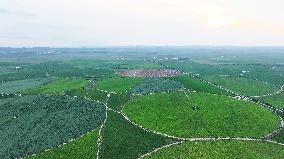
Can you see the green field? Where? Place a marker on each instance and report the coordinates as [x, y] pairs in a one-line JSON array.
[[279, 137], [44, 122], [156, 85], [244, 86], [121, 139], [216, 116], [61, 103], [270, 73], [21, 85], [58, 86], [221, 149], [195, 84], [117, 101], [115, 64], [84, 147], [275, 100], [89, 93], [118, 85]]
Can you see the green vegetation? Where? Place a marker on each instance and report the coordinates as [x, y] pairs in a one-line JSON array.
[[84, 147], [275, 100], [222, 149], [116, 101], [279, 137], [121, 139], [269, 73], [58, 86], [195, 84], [5, 96], [138, 64], [22, 75], [115, 64], [44, 122], [92, 74], [90, 93], [244, 86], [156, 85], [118, 84], [203, 69], [21, 85], [215, 116], [50, 108]]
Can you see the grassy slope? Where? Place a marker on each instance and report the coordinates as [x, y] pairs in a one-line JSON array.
[[123, 140], [59, 86], [118, 85], [275, 100], [222, 149], [244, 86], [172, 113], [84, 147], [197, 85]]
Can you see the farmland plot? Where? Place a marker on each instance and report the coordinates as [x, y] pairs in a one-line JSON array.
[[195, 84], [58, 86], [21, 85], [244, 86], [44, 122], [279, 137], [118, 85], [123, 140], [89, 93], [117, 101], [275, 100], [155, 85], [84, 147], [186, 114], [222, 149]]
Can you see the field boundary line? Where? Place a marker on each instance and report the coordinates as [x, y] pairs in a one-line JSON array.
[[206, 139], [57, 146], [158, 149], [281, 90], [100, 139], [277, 131], [182, 138], [70, 140]]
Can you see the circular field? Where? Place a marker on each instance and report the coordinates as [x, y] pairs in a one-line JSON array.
[[221, 149], [32, 124], [187, 114]]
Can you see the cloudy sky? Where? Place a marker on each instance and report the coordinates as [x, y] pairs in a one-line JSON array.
[[75, 23]]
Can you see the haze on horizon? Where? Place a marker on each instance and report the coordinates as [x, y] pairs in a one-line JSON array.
[[73, 23]]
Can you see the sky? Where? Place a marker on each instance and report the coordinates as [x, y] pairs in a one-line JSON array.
[[90, 23]]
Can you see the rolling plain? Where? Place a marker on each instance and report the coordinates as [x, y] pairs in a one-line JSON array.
[[160, 104]]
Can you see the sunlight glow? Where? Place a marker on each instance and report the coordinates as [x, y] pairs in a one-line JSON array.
[[220, 22]]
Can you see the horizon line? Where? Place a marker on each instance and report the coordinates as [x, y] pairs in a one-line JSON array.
[[128, 46]]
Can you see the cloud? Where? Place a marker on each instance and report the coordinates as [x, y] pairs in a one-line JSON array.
[[131, 22], [219, 22]]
